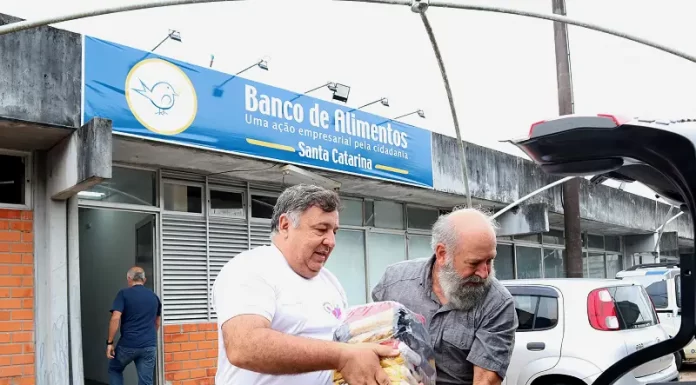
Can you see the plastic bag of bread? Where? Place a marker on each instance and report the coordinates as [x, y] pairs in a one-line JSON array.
[[391, 323]]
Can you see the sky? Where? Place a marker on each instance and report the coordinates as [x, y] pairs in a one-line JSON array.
[[501, 67]]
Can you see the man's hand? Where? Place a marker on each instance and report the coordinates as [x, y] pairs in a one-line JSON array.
[[110, 352], [359, 364]]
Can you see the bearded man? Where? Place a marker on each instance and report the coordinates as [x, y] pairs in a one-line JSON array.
[[471, 316]]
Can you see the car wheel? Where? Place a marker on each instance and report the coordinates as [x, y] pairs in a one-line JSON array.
[[678, 359]]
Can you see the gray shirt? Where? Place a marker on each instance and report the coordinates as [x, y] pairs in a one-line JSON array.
[[483, 336]]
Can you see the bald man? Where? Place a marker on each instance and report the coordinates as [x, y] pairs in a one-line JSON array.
[[471, 316], [138, 311]]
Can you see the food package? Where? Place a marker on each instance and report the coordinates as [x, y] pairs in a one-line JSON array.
[[391, 323]]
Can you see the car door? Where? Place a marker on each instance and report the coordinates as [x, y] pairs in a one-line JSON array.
[[539, 336]]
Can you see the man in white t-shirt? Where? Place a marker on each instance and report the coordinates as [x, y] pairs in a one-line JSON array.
[[277, 306]]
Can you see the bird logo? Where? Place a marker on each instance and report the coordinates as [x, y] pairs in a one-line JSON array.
[[162, 95]]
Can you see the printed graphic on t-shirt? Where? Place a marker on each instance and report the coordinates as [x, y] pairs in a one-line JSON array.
[[334, 310]]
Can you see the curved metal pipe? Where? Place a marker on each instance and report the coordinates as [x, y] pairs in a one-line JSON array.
[[450, 98], [531, 194], [538, 15], [27, 24]]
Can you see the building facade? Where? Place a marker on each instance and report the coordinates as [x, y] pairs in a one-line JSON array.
[[90, 186]]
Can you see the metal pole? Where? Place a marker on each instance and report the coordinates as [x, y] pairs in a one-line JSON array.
[[660, 230], [538, 15], [27, 24], [571, 190], [531, 194], [162, 42], [438, 55]]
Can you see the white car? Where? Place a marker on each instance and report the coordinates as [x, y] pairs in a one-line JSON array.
[[662, 282], [571, 330]]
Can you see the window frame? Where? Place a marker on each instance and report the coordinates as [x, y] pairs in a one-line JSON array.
[[362, 212], [538, 292], [263, 193], [418, 206], [28, 179], [223, 188], [178, 182]]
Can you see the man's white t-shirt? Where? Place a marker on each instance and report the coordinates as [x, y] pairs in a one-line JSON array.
[[261, 282]]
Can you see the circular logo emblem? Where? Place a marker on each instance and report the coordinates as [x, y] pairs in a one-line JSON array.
[[161, 96]]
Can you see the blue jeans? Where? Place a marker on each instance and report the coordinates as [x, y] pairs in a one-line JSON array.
[[144, 359]]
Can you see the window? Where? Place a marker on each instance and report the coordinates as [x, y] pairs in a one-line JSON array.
[[389, 215], [593, 265], [633, 307], [553, 237], [369, 213], [419, 246], [352, 213], [528, 238], [503, 262], [383, 250], [595, 241], [536, 312], [614, 264], [525, 306], [612, 243], [227, 204], [421, 218], [528, 262], [13, 175], [183, 198], [262, 206], [554, 263], [347, 263], [655, 286], [658, 293], [127, 185], [547, 313]]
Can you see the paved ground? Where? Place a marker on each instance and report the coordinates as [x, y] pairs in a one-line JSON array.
[[688, 373]]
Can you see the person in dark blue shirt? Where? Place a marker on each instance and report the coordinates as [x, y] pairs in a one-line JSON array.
[[138, 311]]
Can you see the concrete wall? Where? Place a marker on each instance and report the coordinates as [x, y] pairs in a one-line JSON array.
[[499, 177], [41, 75]]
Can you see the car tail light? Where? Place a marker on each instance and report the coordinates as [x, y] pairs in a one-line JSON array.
[[619, 120], [531, 129], [601, 310], [599, 121]]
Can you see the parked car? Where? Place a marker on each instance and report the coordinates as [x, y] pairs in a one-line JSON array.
[[571, 330], [662, 282]]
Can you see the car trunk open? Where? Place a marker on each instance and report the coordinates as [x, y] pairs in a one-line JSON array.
[[659, 154]]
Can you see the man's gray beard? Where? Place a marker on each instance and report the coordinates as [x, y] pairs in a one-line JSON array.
[[456, 290]]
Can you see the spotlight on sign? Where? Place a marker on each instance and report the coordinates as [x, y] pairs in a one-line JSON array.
[[263, 64], [420, 113], [340, 91], [173, 35]]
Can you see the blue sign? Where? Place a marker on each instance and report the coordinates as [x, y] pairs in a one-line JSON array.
[[168, 100]]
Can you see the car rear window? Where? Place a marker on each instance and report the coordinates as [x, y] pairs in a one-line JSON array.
[[633, 307], [656, 287]]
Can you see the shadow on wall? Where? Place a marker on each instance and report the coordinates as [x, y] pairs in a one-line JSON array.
[[107, 250]]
